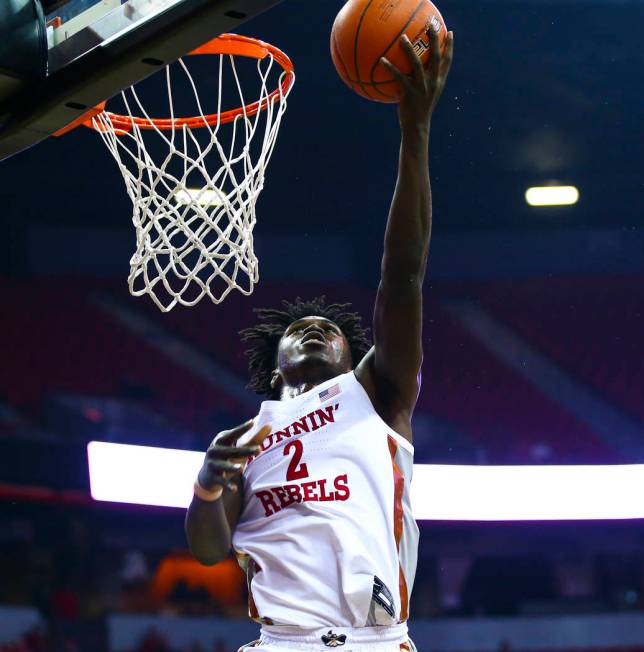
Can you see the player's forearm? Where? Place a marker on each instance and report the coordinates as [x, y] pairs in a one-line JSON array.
[[207, 531], [410, 217]]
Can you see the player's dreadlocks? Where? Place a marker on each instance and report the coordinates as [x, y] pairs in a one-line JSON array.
[[264, 337]]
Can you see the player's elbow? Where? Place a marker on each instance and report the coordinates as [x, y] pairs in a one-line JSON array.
[[210, 557], [406, 276], [206, 551], [408, 269], [209, 561]]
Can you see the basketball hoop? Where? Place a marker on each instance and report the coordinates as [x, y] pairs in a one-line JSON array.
[[196, 240]]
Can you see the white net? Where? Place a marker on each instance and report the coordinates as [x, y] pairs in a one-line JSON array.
[[194, 188]]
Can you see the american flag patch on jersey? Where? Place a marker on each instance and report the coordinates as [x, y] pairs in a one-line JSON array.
[[330, 392]]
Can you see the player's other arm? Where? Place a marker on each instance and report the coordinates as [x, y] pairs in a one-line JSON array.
[[210, 524], [397, 355]]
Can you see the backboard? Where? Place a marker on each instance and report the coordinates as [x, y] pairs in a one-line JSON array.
[[94, 49]]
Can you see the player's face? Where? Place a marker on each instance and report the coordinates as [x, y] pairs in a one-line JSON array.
[[314, 341]]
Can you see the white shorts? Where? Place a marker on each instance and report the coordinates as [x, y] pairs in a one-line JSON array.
[[274, 638]]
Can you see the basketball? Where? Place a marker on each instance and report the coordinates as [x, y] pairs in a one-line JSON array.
[[365, 30]]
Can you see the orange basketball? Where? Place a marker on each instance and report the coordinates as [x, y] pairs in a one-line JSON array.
[[366, 30]]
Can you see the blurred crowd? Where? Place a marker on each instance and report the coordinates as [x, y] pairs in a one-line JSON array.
[[41, 639], [78, 566]]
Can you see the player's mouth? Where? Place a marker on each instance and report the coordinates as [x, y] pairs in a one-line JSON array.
[[314, 337]]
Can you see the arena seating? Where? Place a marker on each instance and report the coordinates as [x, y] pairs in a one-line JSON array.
[[514, 422], [592, 328], [60, 340]]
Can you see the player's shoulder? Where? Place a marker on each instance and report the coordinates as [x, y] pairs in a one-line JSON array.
[[384, 397]]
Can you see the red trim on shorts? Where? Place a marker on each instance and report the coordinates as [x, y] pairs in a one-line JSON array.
[[252, 608], [399, 485]]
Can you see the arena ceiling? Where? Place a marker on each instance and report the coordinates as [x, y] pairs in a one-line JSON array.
[[539, 92]]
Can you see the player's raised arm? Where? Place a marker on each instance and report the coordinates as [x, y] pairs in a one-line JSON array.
[[398, 309]]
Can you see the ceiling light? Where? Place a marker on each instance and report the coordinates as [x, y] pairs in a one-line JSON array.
[[552, 195]]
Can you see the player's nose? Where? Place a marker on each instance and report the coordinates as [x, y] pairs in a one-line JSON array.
[[313, 330]]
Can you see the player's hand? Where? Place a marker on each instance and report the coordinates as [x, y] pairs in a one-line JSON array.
[[224, 460], [422, 89]]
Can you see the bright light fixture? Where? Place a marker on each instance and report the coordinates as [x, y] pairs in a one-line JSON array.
[[198, 195], [142, 475], [145, 475], [527, 493], [552, 195]]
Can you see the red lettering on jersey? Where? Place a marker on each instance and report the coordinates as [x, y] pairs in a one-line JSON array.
[[284, 497], [281, 434], [325, 415], [311, 491], [267, 442], [293, 473], [341, 485], [314, 424], [293, 490], [307, 423], [300, 426], [268, 502], [307, 488], [324, 496]]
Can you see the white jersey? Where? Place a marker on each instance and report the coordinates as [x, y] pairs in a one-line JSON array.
[[326, 534]]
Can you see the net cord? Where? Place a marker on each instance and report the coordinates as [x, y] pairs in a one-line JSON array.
[[183, 248]]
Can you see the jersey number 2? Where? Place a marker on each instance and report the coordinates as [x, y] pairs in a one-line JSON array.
[[293, 472]]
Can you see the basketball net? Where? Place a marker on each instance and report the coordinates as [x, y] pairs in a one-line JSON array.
[[196, 240]]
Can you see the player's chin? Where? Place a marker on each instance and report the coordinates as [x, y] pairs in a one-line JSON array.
[[320, 364], [317, 354]]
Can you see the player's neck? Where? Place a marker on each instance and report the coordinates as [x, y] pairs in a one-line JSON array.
[[290, 391], [293, 389]]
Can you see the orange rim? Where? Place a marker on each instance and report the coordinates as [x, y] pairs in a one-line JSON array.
[[224, 44]]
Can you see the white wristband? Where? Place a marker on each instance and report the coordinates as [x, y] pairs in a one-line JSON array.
[[208, 496]]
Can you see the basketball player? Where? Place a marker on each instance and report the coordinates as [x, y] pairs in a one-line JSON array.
[[313, 494]]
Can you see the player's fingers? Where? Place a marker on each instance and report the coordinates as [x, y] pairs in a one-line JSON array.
[[217, 452], [259, 437], [448, 55], [446, 62], [416, 63], [219, 467], [240, 460], [229, 437], [224, 473], [433, 63], [394, 71], [220, 480]]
